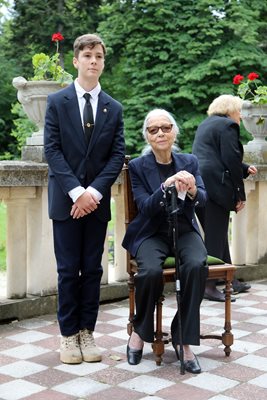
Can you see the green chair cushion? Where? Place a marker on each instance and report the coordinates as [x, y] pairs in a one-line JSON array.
[[214, 260], [170, 261]]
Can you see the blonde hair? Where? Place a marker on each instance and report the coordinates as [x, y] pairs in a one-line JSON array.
[[156, 113], [225, 104]]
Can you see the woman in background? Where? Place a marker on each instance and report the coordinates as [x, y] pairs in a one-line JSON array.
[[220, 154]]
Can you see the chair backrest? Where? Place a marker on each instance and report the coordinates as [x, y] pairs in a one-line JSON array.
[[129, 203]]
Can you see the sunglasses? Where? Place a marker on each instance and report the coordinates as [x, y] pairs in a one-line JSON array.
[[153, 130]]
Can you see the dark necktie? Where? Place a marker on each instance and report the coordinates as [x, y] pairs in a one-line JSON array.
[[88, 118]]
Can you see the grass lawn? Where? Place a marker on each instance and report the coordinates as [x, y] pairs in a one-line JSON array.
[[2, 236]]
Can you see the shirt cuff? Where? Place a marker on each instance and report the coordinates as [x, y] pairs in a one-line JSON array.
[[94, 192], [76, 193]]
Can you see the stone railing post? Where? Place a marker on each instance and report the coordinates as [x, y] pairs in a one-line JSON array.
[[16, 242], [249, 227], [23, 187], [42, 270]]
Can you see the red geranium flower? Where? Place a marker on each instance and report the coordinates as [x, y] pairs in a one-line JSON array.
[[237, 79], [252, 76], [57, 37], [251, 88]]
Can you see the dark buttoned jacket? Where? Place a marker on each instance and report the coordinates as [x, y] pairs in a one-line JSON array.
[[220, 154], [149, 197], [71, 162]]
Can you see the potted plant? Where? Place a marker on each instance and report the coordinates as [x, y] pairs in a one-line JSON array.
[[48, 77], [254, 114], [251, 89], [48, 68]]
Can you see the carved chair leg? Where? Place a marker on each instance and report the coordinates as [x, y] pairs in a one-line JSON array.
[[131, 303], [158, 344], [227, 336]]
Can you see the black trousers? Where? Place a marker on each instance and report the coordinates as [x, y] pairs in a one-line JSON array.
[[79, 244], [214, 220], [149, 285]]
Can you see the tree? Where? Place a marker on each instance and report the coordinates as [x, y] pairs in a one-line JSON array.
[[8, 96], [179, 56], [3, 9], [71, 18], [29, 31]]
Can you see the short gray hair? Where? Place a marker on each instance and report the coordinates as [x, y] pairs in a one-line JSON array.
[[156, 113], [225, 104]]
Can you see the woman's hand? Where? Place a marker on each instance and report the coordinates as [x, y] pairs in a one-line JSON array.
[[183, 181], [239, 206], [252, 170]]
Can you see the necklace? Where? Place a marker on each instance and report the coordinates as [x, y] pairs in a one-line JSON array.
[[164, 163]]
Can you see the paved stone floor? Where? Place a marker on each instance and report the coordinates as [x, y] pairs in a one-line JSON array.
[[30, 366]]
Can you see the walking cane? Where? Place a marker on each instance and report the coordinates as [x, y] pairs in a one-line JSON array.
[[173, 210]]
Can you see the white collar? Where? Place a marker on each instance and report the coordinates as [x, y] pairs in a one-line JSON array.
[[80, 91]]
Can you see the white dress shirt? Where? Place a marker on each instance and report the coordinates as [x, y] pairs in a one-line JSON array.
[[79, 190]]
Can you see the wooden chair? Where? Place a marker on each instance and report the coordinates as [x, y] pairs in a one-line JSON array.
[[217, 271]]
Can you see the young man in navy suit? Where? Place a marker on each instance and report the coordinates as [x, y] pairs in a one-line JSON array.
[[81, 173]]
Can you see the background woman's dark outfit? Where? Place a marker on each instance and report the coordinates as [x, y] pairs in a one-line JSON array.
[[220, 153]]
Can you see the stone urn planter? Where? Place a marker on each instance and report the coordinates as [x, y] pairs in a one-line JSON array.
[[254, 117], [33, 97]]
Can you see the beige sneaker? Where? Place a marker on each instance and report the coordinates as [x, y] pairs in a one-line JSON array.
[[90, 352], [70, 352]]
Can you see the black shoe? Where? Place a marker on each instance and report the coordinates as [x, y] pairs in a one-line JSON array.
[[239, 287], [134, 356], [217, 298], [192, 366], [189, 365]]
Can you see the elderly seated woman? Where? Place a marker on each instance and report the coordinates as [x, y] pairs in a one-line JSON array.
[[148, 238]]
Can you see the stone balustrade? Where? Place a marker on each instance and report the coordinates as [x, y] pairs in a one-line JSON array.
[[31, 266]]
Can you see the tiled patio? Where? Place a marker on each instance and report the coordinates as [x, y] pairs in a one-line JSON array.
[[30, 366]]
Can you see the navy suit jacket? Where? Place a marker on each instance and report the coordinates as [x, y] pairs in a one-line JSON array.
[[71, 162], [145, 180]]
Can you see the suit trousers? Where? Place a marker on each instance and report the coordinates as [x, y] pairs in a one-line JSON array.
[[78, 245], [149, 285], [214, 220]]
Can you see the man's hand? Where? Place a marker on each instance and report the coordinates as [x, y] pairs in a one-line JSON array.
[[85, 204]]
